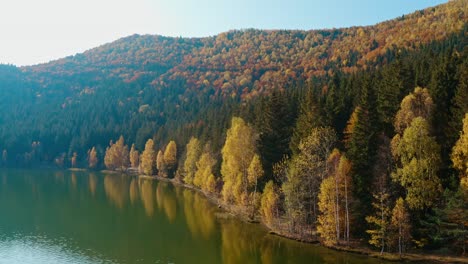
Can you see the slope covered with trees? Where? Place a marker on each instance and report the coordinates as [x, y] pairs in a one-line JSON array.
[[290, 127]]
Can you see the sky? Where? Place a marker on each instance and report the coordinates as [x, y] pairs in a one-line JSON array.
[[37, 31]]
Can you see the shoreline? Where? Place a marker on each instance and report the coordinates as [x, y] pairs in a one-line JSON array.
[[231, 210]]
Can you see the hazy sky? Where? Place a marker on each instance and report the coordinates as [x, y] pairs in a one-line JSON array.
[[36, 31]]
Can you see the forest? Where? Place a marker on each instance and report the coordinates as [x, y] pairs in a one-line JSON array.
[[355, 136]]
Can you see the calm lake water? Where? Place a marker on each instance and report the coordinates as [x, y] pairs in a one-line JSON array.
[[80, 217]]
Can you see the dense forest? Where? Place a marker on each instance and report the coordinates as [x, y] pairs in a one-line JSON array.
[[347, 136]]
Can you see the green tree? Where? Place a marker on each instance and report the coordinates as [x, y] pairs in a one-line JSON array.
[[147, 158], [419, 159]]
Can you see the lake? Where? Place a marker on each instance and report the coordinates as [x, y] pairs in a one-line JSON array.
[[81, 217]]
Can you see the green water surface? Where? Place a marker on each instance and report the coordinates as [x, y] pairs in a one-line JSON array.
[[80, 217]]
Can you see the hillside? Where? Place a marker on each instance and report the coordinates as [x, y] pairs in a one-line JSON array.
[[153, 86], [248, 62], [355, 137]]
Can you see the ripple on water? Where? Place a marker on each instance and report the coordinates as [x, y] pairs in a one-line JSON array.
[[26, 249]]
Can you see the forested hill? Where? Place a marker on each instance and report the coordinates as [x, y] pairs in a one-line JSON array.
[[247, 62], [355, 136], [172, 88]]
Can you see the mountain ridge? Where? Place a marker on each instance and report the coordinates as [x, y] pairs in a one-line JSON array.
[[248, 61]]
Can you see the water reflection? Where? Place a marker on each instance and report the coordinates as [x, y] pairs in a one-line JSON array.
[[92, 183], [116, 188], [124, 219], [199, 214], [133, 190], [147, 195], [166, 200]]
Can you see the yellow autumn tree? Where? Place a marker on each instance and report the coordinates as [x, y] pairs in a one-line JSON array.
[[170, 157], [269, 205], [161, 165], [460, 153], [254, 172], [117, 156], [134, 157], [147, 158], [335, 197], [401, 226], [193, 154], [238, 151], [417, 104], [92, 158], [204, 177]]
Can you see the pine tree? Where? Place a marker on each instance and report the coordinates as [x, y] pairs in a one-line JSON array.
[[310, 116], [273, 123]]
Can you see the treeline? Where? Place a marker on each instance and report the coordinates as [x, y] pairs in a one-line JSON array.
[[379, 156]]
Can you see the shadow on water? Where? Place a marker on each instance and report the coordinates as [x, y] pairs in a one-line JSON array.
[[112, 218]]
